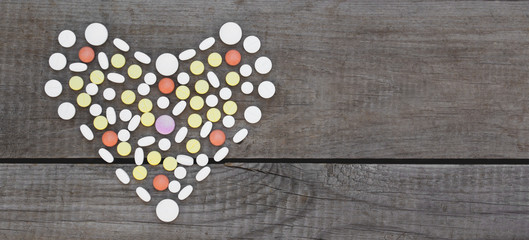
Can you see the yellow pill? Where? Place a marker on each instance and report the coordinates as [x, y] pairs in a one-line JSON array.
[[194, 120], [117, 61], [100, 122], [145, 105], [214, 59], [213, 115], [134, 71], [76, 83], [97, 77], [232, 78], [169, 163], [139, 173], [124, 148], [128, 97], [197, 67], [147, 119], [196, 103], [182, 92], [193, 146], [230, 107], [201, 86], [154, 158], [84, 100]]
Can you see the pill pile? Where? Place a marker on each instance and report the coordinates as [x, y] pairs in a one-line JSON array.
[[196, 94]]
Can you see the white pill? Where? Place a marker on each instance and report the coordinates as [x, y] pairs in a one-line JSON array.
[[87, 132], [66, 111], [105, 155], [164, 144], [263, 65], [78, 67], [221, 154], [247, 88], [134, 123], [67, 38], [251, 44], [184, 160], [228, 121], [138, 156], [206, 129], [212, 101], [203, 174], [187, 54], [206, 43], [202, 159], [240, 135], [96, 34], [225, 93], [180, 172], [174, 186], [109, 94], [149, 78], [179, 107], [123, 135], [167, 64], [182, 78], [146, 141], [185, 192], [111, 115], [123, 177], [53, 88], [143, 89], [252, 114], [230, 33], [213, 79], [163, 102], [103, 60], [143, 194], [167, 210], [246, 70], [57, 61], [121, 45], [181, 134], [266, 89], [125, 115], [91, 89], [115, 77], [95, 110], [142, 57]]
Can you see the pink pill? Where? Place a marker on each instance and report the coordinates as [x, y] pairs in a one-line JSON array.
[[165, 124]]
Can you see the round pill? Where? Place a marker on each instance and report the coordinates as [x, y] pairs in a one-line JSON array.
[[67, 38], [118, 60], [201, 86], [164, 144], [230, 33], [266, 89], [213, 115], [57, 61], [124, 149], [229, 107], [212, 100], [180, 172], [76, 83], [145, 105], [86, 54], [182, 92], [139, 172], [202, 160], [233, 57], [247, 87], [53, 88], [96, 34], [165, 124], [97, 77], [225, 93], [167, 210], [197, 67], [251, 44], [84, 100], [167, 64], [160, 182], [125, 115], [109, 138], [182, 78], [103, 60], [263, 65], [163, 102], [109, 94], [194, 120], [147, 119], [66, 111], [95, 110], [174, 186], [252, 114], [100, 122], [92, 89], [217, 137], [166, 85], [206, 43], [143, 89], [214, 59], [169, 163], [128, 97], [149, 78], [134, 71], [123, 135], [245, 70], [196, 103], [228, 121], [232, 78], [154, 158], [193, 146]]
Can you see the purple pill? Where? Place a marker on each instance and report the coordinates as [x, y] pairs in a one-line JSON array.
[[165, 124]]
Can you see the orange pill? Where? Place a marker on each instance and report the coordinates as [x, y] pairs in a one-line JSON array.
[[217, 137], [166, 85], [110, 138], [86, 54], [233, 57], [160, 182]]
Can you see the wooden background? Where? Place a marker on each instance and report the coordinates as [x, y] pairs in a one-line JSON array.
[[356, 79]]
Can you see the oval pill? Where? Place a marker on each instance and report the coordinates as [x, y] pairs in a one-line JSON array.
[[146, 141], [121, 45], [202, 160], [167, 210], [221, 154], [138, 156], [179, 108], [134, 123], [87, 132], [185, 192], [103, 60], [96, 34], [142, 57], [53, 88], [139, 173], [187, 54], [123, 177], [67, 38], [78, 67], [230, 33], [166, 64], [174, 186], [111, 115], [213, 79], [206, 129], [143, 194], [240, 135], [206, 43], [252, 114], [115, 78], [184, 160], [203, 174], [180, 135], [263, 65], [105, 155], [57, 61], [180, 172]]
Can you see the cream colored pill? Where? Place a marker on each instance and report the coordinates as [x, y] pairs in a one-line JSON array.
[[202, 160], [87, 132], [163, 102], [228, 121], [184, 160], [164, 144], [225, 93], [266, 89], [174, 186], [206, 43], [105, 155], [213, 79], [96, 34], [95, 110], [123, 135], [247, 88], [206, 129], [252, 114], [78, 67], [230, 33], [53, 88], [203, 174], [66, 111], [150, 78], [167, 210], [115, 77], [109, 94], [167, 64], [245, 70], [146, 141], [67, 38], [121, 45], [92, 89], [181, 135], [251, 44], [183, 78], [142, 57], [102, 59], [221, 154], [263, 65], [139, 156], [212, 101], [123, 177], [179, 108], [180, 172], [57, 61], [187, 54], [134, 123], [143, 194], [185, 192], [144, 89], [240, 135], [125, 115], [111, 115]]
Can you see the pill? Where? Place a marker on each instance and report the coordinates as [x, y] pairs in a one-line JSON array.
[[142, 57], [196, 103], [180, 135], [206, 43], [214, 59], [78, 67], [163, 102], [206, 129], [247, 88], [196, 67], [251, 44], [180, 172], [263, 65], [146, 141], [125, 115], [76, 83], [147, 119], [169, 163], [115, 77], [182, 92], [167, 64], [117, 60], [123, 177], [174, 186], [57, 61], [123, 135], [160, 182], [143, 194], [230, 33], [167, 210], [138, 156], [95, 110], [225, 93], [103, 60], [166, 85], [139, 172], [213, 115], [185, 192], [228, 121], [164, 144], [217, 137], [149, 78], [187, 54], [109, 94], [124, 148], [96, 34], [179, 108], [194, 120], [128, 97], [134, 71], [245, 70], [154, 158], [121, 45], [240, 135], [212, 101], [134, 123], [86, 54], [192, 146], [145, 105], [221, 154], [233, 57], [91, 89], [201, 86], [213, 79], [109, 138], [252, 114], [202, 159], [184, 160], [53, 88], [182, 78], [87, 132], [232, 78], [229, 107], [143, 89], [111, 115], [67, 38], [266, 89], [97, 77], [165, 124], [203, 174], [84, 100], [105, 155]]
